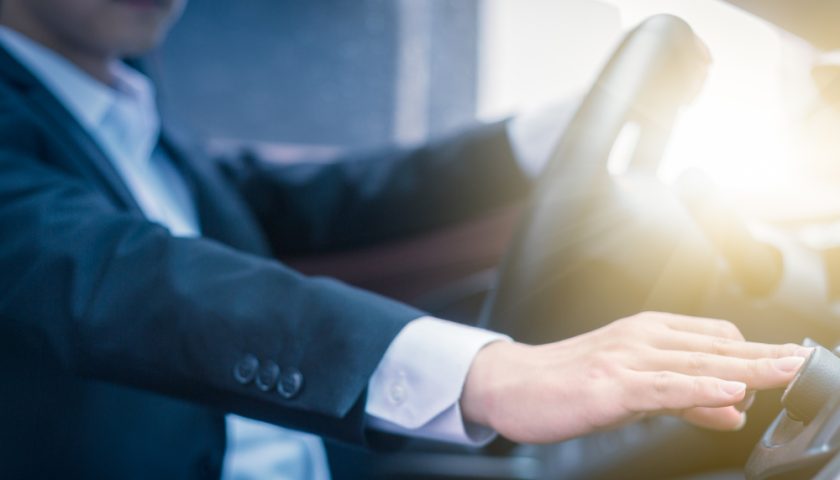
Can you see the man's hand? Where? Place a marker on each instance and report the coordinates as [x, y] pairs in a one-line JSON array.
[[648, 364]]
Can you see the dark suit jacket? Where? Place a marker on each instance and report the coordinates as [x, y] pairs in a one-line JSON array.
[[121, 346]]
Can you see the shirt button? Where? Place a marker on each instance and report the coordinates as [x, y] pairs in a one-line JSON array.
[[397, 393], [290, 384], [246, 369], [398, 389], [267, 376]]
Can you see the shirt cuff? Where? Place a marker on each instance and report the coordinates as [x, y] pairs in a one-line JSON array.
[[416, 388]]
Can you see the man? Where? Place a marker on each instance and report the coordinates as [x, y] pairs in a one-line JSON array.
[[140, 299]]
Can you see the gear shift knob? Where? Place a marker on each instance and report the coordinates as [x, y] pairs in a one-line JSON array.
[[816, 383]]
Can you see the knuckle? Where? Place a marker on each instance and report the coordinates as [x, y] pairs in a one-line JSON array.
[[728, 329], [701, 390], [655, 317], [624, 328], [662, 382], [787, 350], [698, 389], [766, 367], [648, 332], [645, 317], [643, 332], [698, 362], [756, 368], [722, 345], [626, 322]]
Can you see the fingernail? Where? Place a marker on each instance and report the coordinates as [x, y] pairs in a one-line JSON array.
[[803, 352], [788, 364], [742, 422], [747, 402], [733, 388]]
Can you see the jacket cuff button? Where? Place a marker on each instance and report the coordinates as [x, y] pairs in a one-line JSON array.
[[290, 384], [246, 369], [267, 376]]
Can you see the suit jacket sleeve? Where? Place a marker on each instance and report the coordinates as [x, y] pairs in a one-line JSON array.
[[107, 295], [374, 196]]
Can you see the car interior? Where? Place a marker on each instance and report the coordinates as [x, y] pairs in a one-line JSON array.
[[372, 73]]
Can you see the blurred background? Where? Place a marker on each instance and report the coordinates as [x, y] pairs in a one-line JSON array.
[[373, 72]]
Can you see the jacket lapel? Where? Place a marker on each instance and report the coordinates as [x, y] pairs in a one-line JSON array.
[[222, 214], [81, 149]]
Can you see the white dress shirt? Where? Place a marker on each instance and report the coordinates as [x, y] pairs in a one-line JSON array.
[[416, 388]]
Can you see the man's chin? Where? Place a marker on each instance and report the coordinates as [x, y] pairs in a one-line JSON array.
[[140, 45]]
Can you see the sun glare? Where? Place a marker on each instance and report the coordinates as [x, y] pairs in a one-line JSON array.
[[757, 129], [745, 129], [741, 147]]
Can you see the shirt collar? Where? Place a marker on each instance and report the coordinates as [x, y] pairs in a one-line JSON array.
[[88, 99]]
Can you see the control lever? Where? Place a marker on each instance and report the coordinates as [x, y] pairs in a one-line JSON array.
[[805, 436], [813, 387]]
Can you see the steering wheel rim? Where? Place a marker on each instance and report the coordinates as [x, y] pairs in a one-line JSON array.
[[657, 69]]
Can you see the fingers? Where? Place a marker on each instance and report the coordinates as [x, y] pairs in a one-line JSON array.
[[694, 342], [715, 348], [724, 418], [704, 326], [761, 373], [664, 390]]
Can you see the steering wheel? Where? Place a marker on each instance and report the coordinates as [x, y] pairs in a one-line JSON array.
[[594, 247], [598, 243]]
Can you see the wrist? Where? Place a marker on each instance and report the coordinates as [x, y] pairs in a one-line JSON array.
[[484, 381]]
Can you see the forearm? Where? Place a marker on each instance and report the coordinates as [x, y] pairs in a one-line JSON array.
[[376, 196], [105, 294]]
